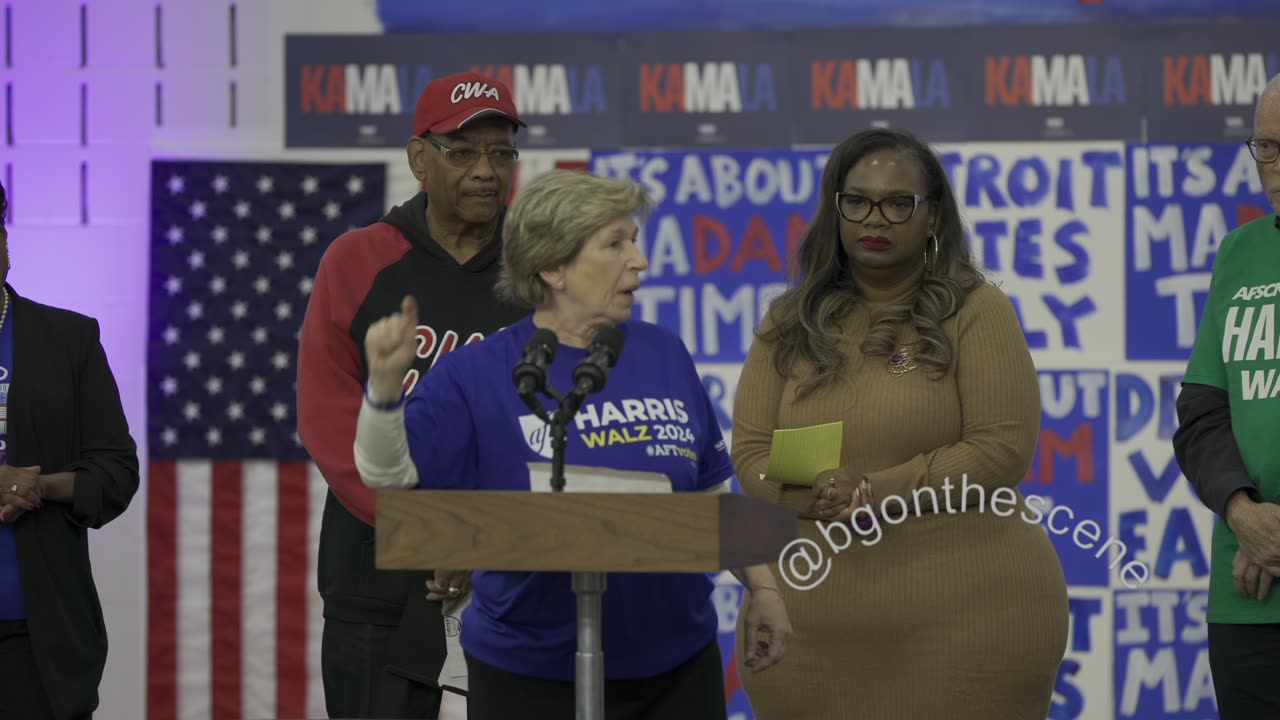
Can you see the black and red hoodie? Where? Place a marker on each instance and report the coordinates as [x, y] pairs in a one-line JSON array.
[[364, 276]]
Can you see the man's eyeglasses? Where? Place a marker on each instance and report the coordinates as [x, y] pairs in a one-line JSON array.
[[463, 157], [1263, 151], [897, 209]]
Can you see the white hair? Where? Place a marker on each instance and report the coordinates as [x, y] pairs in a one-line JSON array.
[[1268, 100]]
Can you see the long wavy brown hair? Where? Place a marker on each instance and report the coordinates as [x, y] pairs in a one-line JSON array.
[[807, 318]]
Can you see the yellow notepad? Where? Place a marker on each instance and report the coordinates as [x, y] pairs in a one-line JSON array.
[[799, 454]]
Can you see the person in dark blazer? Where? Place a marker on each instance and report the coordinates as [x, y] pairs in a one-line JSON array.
[[67, 465]]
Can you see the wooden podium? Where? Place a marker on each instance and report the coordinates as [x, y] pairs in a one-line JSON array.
[[587, 534]]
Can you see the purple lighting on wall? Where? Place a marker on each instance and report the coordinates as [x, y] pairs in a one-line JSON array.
[[75, 168]]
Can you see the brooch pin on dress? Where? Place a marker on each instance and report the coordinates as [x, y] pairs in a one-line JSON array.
[[902, 362]]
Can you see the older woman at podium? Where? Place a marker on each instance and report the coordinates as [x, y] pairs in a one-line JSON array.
[[570, 254]]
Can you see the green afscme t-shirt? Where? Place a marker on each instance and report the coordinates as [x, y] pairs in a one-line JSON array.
[[1237, 349]]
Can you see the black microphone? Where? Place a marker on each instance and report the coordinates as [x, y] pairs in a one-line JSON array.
[[590, 374], [530, 374]]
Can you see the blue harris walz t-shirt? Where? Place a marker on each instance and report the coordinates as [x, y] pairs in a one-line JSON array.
[[468, 430], [11, 605]]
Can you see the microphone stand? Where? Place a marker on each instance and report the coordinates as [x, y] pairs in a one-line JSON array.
[[589, 587], [559, 439], [560, 433]]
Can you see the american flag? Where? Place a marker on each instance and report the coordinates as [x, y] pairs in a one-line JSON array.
[[233, 502]]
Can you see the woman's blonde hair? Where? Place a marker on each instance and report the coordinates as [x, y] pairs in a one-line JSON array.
[[550, 221]]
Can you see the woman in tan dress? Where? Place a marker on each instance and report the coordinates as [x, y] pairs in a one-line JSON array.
[[930, 611]]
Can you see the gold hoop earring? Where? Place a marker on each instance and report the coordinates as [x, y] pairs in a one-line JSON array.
[[934, 266]]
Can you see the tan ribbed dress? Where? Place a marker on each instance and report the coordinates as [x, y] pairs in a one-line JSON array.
[[956, 615]]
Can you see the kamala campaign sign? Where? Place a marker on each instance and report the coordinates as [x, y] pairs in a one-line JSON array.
[[362, 90], [879, 81], [706, 89], [1204, 79], [1048, 83]]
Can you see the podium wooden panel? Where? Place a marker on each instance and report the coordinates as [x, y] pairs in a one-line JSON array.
[[577, 532]]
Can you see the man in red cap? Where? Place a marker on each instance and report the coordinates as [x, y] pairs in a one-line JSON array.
[[383, 645]]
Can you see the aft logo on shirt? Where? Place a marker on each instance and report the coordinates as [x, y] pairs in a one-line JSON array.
[[537, 435]]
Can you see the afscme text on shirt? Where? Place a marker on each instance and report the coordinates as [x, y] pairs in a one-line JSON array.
[[1257, 291]]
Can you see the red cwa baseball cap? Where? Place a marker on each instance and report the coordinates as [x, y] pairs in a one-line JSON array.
[[450, 102]]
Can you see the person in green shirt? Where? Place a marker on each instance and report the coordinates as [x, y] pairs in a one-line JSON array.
[[1227, 442]]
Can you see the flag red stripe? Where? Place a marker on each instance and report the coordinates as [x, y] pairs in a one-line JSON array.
[[162, 591], [291, 590], [225, 572]]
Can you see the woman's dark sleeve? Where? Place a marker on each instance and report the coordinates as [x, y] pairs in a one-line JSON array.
[[107, 467]]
